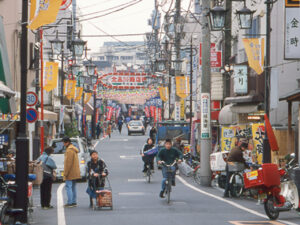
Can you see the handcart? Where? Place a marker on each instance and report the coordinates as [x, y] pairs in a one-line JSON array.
[[104, 197]]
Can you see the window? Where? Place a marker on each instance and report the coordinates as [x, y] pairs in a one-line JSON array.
[[59, 147], [101, 58], [126, 57]]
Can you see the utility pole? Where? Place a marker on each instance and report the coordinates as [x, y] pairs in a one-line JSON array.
[[227, 45], [177, 45], [191, 88], [22, 142], [267, 149], [205, 139]]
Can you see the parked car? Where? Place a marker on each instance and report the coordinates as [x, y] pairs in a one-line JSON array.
[[58, 156], [136, 126]]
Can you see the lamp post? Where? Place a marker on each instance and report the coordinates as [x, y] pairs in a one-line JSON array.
[[90, 68], [245, 16]]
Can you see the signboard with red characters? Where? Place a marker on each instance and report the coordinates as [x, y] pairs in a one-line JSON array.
[[124, 80], [215, 56]]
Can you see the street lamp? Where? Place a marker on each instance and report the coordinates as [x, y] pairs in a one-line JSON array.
[[176, 64], [75, 69], [245, 17], [56, 45], [161, 64], [78, 46], [90, 68], [217, 17]]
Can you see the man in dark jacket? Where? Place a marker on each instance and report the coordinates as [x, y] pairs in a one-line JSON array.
[[152, 133], [148, 160], [97, 172], [235, 156], [168, 155]]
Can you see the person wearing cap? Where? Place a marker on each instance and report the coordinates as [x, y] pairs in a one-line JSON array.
[[235, 156], [97, 171], [71, 171]]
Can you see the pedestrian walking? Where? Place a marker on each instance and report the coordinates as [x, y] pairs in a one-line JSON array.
[[120, 125], [46, 185], [152, 133], [98, 130], [97, 171], [71, 171], [108, 130]]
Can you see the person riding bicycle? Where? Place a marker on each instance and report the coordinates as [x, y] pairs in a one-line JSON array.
[[235, 156], [168, 155], [97, 172], [148, 159]]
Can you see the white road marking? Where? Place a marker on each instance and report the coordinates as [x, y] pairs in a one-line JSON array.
[[129, 156], [229, 202], [95, 145], [132, 193], [61, 219], [136, 180]]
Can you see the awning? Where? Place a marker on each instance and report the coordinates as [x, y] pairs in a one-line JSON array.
[[48, 115], [242, 99], [291, 96], [6, 91], [226, 116], [246, 108]]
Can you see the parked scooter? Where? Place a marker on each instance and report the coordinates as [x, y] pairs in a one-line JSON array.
[[275, 187]]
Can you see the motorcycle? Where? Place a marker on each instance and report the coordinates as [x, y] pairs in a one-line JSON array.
[[276, 187]]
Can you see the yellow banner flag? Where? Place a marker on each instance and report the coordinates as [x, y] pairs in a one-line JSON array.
[[69, 88], [255, 50], [43, 12], [258, 132], [183, 86], [50, 76], [78, 93], [87, 97], [227, 137], [164, 93]]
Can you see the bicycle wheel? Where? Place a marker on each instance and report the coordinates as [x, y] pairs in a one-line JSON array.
[[237, 185], [169, 192], [148, 175]]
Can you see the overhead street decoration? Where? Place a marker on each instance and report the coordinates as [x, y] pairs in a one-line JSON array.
[[124, 80]]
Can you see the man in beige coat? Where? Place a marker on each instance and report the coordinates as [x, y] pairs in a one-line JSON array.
[[71, 171]]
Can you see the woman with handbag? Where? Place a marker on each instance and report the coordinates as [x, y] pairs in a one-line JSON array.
[[49, 166]]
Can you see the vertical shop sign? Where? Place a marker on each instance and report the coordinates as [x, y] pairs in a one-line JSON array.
[[205, 115], [177, 111], [227, 138], [258, 131], [240, 79], [292, 33]]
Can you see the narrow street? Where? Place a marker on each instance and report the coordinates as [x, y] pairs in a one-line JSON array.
[[137, 202]]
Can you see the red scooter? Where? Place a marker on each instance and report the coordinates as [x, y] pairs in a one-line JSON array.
[[275, 187]]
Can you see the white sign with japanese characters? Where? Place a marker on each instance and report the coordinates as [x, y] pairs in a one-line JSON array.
[[292, 33], [240, 79], [205, 115]]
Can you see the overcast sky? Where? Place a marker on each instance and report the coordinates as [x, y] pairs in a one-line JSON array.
[[128, 21]]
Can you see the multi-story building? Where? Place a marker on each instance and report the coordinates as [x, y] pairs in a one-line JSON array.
[[128, 56]]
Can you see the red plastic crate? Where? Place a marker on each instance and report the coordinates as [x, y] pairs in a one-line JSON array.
[[267, 176]]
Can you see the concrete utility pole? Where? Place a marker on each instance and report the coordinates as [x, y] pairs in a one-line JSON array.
[[227, 45], [205, 139], [177, 44]]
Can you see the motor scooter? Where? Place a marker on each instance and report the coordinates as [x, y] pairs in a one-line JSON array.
[[275, 186]]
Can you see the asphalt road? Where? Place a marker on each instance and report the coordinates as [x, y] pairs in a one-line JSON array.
[[137, 202]]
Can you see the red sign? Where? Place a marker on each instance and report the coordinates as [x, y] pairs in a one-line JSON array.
[[152, 110], [215, 56], [124, 80], [147, 113], [110, 112], [159, 114], [215, 105]]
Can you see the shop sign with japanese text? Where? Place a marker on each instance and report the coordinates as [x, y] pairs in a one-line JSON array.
[[177, 111], [205, 115], [292, 33], [240, 79], [215, 56]]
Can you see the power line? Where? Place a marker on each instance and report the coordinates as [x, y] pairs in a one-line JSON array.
[[117, 10]]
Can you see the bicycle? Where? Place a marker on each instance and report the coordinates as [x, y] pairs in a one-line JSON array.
[[148, 173], [168, 186]]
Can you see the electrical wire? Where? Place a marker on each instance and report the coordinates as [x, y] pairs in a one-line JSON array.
[[104, 10], [117, 10]]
